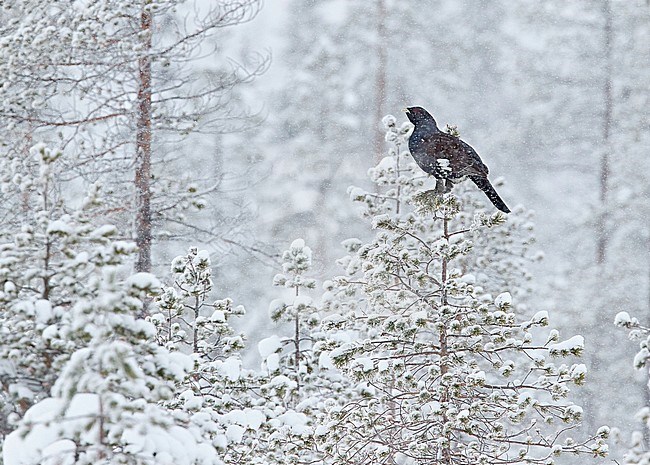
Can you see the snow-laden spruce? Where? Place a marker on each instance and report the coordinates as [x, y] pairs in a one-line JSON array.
[[447, 363]]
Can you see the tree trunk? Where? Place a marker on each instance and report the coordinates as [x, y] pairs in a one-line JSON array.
[[601, 233], [297, 344], [380, 81], [143, 234], [444, 349], [646, 391]]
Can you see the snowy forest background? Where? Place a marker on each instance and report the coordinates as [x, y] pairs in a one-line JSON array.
[[167, 164]]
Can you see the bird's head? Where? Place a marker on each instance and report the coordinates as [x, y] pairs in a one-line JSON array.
[[419, 116]]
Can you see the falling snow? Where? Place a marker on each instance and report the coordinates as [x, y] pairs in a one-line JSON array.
[[216, 247]]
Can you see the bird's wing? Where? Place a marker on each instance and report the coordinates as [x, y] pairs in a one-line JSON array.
[[476, 165], [463, 159]]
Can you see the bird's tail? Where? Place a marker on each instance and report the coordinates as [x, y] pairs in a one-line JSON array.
[[483, 184]]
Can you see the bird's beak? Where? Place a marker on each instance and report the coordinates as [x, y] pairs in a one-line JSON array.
[[405, 110]]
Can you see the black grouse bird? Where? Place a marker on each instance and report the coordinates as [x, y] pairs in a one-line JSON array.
[[446, 157]]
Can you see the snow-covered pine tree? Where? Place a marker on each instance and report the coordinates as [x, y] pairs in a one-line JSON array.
[[75, 357], [187, 321], [106, 404], [45, 264], [119, 84], [217, 391], [292, 356], [450, 373], [300, 379], [638, 453]]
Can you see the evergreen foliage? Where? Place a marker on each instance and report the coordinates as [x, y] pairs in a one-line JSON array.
[[106, 403], [301, 379], [433, 345], [75, 348], [216, 393], [451, 373], [123, 86], [637, 453], [46, 261]]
